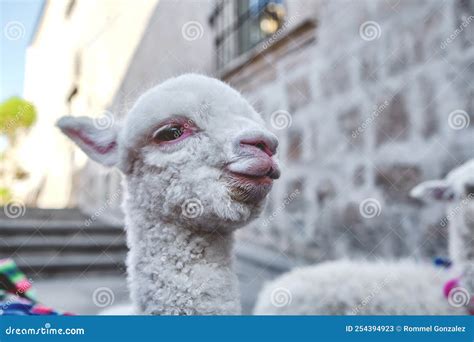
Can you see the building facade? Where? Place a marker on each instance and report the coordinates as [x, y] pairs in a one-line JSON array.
[[75, 64], [368, 98]]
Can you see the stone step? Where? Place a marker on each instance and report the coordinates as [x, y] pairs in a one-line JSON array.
[[58, 227], [26, 213], [47, 242], [46, 264], [75, 243]]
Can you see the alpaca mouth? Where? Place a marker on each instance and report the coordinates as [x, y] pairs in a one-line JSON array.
[[248, 188], [257, 180]]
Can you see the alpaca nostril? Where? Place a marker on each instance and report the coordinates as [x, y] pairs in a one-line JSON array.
[[274, 173], [261, 146]]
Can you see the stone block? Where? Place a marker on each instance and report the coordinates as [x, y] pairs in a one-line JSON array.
[[295, 145], [294, 192], [464, 10], [398, 55], [434, 31], [397, 180], [326, 191], [358, 177], [340, 80], [394, 123], [369, 64], [349, 121], [428, 97], [351, 215], [298, 93]]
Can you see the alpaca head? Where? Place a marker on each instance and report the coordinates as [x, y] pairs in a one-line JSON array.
[[192, 150], [458, 185], [457, 189]]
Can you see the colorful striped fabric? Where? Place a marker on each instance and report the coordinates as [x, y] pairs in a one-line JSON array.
[[13, 281], [16, 294]]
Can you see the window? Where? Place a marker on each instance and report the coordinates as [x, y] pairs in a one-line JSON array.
[[241, 24]]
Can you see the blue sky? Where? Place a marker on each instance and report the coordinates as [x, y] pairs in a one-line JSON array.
[[18, 20]]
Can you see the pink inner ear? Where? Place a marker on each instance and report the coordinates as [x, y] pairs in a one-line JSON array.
[[441, 194], [89, 142], [438, 193]]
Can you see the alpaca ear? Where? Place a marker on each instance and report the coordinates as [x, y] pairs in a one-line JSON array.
[[99, 143], [438, 190]]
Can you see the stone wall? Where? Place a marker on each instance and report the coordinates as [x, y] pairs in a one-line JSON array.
[[368, 99]]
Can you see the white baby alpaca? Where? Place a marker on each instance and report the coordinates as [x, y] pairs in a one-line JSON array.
[[198, 163], [392, 288]]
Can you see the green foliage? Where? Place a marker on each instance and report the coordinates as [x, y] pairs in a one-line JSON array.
[[5, 195], [16, 113]]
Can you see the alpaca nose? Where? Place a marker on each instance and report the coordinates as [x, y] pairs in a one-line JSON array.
[[274, 172], [253, 154], [265, 143], [469, 189]]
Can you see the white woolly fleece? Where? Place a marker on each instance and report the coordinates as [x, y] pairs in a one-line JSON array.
[[359, 288], [180, 203], [387, 288]]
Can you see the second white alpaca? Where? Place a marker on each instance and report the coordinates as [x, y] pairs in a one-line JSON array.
[[198, 163], [392, 288]]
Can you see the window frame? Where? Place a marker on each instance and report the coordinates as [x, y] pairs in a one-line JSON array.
[[236, 49]]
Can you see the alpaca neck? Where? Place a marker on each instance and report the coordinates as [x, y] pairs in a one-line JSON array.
[[461, 244], [173, 270]]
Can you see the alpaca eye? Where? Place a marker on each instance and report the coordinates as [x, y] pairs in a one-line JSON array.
[[168, 133]]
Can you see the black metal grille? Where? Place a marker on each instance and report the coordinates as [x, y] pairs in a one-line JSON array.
[[237, 27]]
